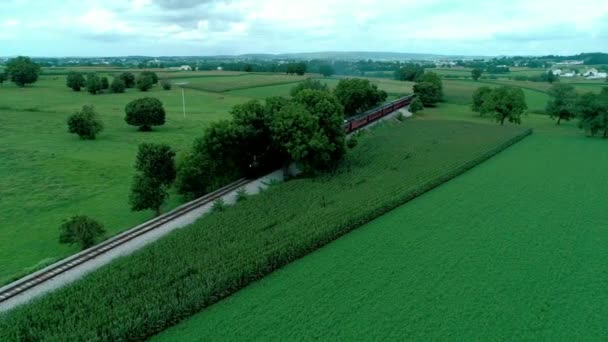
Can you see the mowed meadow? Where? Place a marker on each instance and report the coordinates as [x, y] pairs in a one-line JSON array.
[[513, 249], [48, 175]]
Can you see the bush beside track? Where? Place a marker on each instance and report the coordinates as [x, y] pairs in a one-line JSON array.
[[136, 297]]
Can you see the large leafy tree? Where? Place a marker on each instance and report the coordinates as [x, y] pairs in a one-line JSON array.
[[409, 72], [85, 123], [2, 78], [329, 113], [326, 70], [22, 70], [480, 97], [562, 105], [81, 230], [144, 82], [75, 80], [118, 85], [152, 75], [128, 78], [93, 83], [145, 113], [592, 110], [429, 89], [507, 104], [358, 95], [155, 166]]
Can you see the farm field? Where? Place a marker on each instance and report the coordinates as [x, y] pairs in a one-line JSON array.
[[222, 252], [225, 83], [48, 175], [511, 250]]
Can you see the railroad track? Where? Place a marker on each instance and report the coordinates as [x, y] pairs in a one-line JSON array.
[[69, 263]]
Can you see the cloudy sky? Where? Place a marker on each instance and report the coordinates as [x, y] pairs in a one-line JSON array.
[[209, 27]]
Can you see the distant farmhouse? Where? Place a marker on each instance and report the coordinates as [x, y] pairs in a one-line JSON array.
[[590, 74], [182, 68]]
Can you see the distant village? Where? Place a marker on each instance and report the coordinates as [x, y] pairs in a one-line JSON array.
[[568, 69]]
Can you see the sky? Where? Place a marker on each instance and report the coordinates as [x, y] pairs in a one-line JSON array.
[[231, 27]]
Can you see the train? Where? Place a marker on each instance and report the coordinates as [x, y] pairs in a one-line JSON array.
[[360, 120]]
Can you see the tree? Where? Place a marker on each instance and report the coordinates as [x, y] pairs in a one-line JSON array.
[[75, 80], [296, 68], [326, 70], [358, 95], [105, 84], [85, 123], [166, 84], [507, 103], [330, 117], [480, 96], [22, 70], [248, 68], [146, 194], [155, 166], [296, 131], [145, 113], [2, 78], [416, 106], [156, 161], [563, 103], [93, 83], [592, 109], [550, 77], [152, 75], [144, 82], [429, 88], [81, 230], [128, 78], [476, 73], [308, 84], [118, 85], [409, 72]]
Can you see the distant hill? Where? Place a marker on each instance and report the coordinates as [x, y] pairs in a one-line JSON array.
[[355, 55]]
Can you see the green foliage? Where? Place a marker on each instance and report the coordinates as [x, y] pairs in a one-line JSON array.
[[241, 195], [3, 78], [476, 73], [480, 97], [506, 103], [194, 267], [128, 78], [358, 95], [22, 70], [248, 68], [157, 162], [218, 206], [308, 84], [429, 89], [144, 82], [150, 74], [85, 123], [166, 84], [145, 113], [147, 194], [592, 111], [75, 80], [550, 77], [563, 102], [326, 70], [352, 142], [81, 230], [409, 72], [93, 83], [296, 68], [118, 85], [416, 105], [105, 84]]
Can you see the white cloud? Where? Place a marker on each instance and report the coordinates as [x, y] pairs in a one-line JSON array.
[[240, 26]]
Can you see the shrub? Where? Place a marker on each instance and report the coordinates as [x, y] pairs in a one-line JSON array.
[[105, 84], [218, 206], [352, 142], [145, 113], [416, 106], [144, 82], [166, 84], [118, 86], [81, 230], [93, 83], [85, 123], [128, 78], [241, 195], [75, 80]]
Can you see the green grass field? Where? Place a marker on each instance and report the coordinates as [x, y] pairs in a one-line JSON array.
[[226, 83], [514, 249], [48, 175], [222, 252]]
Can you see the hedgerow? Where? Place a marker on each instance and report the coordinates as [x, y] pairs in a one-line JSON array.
[[140, 295]]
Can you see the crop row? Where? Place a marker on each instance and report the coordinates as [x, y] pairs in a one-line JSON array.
[[138, 296]]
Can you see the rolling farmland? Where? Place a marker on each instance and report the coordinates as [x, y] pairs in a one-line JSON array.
[[223, 252], [513, 249]]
